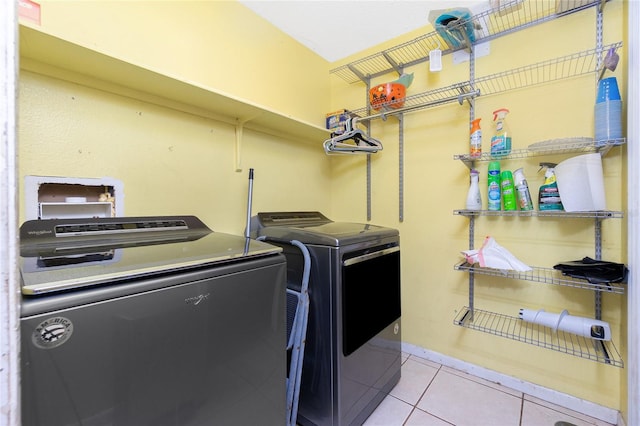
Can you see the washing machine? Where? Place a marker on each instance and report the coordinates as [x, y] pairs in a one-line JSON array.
[[150, 321], [353, 348]]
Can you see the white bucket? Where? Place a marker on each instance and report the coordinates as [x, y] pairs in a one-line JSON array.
[[581, 183]]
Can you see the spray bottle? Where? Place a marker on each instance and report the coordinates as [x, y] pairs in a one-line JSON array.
[[501, 140], [549, 196], [509, 201], [493, 186], [522, 188], [475, 139], [474, 199]]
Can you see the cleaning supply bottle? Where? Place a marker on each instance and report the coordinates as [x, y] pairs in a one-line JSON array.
[[522, 188], [475, 136], [509, 202], [493, 186], [474, 199], [501, 140], [549, 196]]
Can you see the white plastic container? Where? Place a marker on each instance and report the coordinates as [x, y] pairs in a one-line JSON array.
[[581, 326], [474, 199], [581, 183]]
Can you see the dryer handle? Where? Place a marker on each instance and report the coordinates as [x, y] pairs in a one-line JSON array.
[[369, 256]]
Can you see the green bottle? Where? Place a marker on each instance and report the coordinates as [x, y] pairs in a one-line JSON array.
[[509, 200], [493, 186], [549, 196]]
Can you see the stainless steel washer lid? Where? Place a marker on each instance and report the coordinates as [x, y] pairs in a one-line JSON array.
[[321, 231], [111, 257]]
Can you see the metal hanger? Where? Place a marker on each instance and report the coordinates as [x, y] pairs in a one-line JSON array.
[[361, 143]]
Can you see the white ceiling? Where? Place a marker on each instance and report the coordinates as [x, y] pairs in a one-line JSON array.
[[335, 29]]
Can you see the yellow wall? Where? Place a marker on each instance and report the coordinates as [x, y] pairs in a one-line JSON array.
[[435, 185], [218, 44], [172, 162]]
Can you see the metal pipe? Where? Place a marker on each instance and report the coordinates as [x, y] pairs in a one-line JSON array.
[[247, 232]]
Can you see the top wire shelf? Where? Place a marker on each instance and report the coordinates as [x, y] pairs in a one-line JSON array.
[[493, 23], [573, 65]]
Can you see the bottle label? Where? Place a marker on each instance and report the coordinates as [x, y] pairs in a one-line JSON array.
[[497, 143], [476, 144], [524, 198], [508, 196], [494, 196], [500, 146]]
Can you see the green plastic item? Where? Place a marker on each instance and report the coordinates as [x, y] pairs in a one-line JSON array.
[[493, 187], [509, 200]]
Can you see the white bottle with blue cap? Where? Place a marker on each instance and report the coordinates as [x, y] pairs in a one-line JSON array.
[[474, 199]]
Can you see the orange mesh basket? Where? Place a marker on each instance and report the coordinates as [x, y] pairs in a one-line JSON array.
[[389, 95]]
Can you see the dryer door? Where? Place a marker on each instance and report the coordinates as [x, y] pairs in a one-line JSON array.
[[370, 294]]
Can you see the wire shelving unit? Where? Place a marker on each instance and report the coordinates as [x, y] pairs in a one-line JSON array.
[[510, 17]]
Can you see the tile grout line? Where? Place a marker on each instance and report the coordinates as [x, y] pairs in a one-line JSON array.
[[584, 407], [441, 368], [415, 406]]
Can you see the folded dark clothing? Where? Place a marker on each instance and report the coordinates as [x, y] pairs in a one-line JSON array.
[[594, 271]]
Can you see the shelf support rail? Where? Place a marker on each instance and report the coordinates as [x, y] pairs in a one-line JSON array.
[[361, 76], [368, 126], [397, 67], [401, 167], [597, 222], [599, 42], [472, 220], [458, 26], [598, 255]]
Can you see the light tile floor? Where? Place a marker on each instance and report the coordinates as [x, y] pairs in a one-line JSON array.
[[430, 394]]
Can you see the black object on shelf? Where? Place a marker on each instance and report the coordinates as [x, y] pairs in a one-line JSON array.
[[594, 271]]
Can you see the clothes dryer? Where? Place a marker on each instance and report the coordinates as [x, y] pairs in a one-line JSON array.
[[353, 355]]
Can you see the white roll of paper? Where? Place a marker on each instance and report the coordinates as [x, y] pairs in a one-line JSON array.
[[581, 183]]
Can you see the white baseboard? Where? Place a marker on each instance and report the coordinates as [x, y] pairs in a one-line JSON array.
[[589, 408]]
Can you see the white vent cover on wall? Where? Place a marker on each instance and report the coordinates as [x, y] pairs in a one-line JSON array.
[[52, 197]]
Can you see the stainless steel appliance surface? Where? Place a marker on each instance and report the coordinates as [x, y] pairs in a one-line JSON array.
[[150, 321], [353, 347]]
